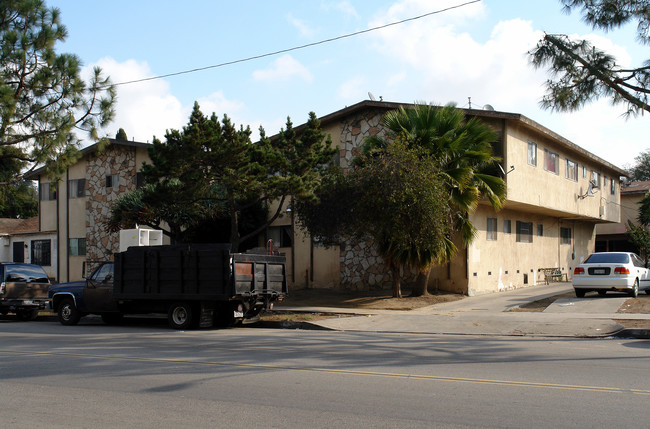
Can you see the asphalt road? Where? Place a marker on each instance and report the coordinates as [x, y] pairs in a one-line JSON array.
[[147, 376]]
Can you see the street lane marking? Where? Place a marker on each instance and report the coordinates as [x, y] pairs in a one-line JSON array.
[[511, 383]]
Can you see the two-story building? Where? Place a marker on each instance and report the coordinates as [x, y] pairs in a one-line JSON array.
[[557, 192], [613, 237], [77, 204]]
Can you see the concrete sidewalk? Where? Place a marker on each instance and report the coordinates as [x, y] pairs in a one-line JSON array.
[[490, 315]]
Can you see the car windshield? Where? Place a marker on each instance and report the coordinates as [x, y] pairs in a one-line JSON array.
[[611, 258]]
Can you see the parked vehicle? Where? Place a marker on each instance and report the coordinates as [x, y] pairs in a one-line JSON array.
[[23, 289], [611, 271], [194, 284]]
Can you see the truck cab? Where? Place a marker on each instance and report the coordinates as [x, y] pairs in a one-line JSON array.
[[93, 295]]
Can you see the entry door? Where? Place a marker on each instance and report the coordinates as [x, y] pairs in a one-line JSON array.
[[19, 251]]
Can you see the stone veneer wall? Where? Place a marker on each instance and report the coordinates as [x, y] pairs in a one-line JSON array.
[[120, 160], [361, 267]]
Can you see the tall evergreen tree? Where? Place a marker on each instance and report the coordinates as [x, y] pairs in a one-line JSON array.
[[210, 170], [42, 95], [581, 72], [121, 135]]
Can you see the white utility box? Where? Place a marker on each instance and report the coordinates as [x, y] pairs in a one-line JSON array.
[[140, 237]]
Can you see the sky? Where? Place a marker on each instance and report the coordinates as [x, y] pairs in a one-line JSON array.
[[475, 53]]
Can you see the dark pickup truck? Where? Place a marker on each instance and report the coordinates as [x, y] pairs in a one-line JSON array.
[[196, 285], [23, 289]]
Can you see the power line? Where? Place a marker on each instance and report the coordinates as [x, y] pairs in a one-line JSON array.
[[295, 48]]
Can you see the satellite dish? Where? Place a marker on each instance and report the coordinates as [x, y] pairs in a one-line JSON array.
[[488, 107], [372, 97], [590, 191]]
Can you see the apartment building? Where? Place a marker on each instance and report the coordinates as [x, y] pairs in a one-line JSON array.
[[557, 193], [76, 204]]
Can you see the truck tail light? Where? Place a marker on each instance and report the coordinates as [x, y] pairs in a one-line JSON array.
[[578, 271], [3, 287], [621, 270]]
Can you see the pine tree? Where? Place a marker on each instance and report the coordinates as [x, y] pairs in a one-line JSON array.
[[42, 96]]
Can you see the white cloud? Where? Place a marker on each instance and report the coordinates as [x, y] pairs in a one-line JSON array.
[[353, 89], [343, 6], [304, 28], [283, 69], [143, 109], [217, 103], [453, 65]]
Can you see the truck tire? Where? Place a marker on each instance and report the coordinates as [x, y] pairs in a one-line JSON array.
[[68, 313], [180, 315], [26, 314]]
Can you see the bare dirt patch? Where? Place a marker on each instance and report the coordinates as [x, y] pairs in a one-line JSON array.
[[364, 300]]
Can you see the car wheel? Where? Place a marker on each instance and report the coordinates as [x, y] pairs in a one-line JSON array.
[[68, 313], [647, 291], [580, 293], [180, 315], [635, 289], [602, 292], [26, 315]]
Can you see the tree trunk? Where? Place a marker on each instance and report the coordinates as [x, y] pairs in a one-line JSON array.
[[421, 283], [397, 289]]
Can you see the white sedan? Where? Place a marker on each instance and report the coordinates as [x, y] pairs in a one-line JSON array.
[[615, 271]]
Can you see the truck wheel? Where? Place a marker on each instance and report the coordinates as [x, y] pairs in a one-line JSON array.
[[26, 315], [68, 312], [180, 315]]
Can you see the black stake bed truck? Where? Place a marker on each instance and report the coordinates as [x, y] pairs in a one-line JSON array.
[[196, 285]]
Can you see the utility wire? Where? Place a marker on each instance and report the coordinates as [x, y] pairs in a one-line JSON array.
[[282, 51]]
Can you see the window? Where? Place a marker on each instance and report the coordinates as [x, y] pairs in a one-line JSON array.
[[507, 226], [41, 252], [77, 247], [76, 188], [612, 187], [540, 230], [565, 235], [524, 232], [551, 161], [281, 236], [113, 181], [491, 228], [532, 153], [571, 170], [48, 191], [584, 172], [25, 273], [140, 180], [103, 273], [595, 177]]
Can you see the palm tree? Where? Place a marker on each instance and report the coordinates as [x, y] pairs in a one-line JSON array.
[[463, 153]]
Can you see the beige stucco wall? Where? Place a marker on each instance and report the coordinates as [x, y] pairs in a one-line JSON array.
[[537, 187], [629, 212], [505, 263]]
